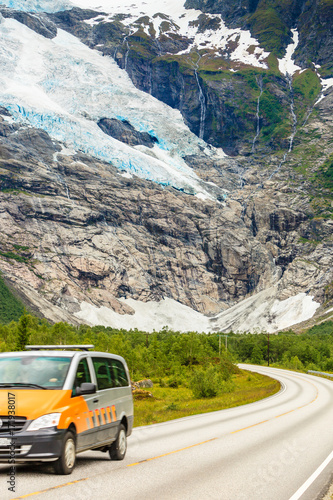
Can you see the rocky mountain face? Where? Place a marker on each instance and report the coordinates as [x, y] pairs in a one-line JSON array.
[[216, 93], [271, 23], [78, 228]]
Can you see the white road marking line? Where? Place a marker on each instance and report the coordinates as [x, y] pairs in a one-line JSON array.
[[312, 478]]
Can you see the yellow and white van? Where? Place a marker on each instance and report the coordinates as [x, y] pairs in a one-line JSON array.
[[57, 403]]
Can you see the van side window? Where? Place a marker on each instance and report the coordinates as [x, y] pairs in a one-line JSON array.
[[110, 373], [119, 372], [82, 374], [103, 374]]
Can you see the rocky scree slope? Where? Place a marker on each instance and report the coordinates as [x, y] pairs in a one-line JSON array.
[[73, 229]]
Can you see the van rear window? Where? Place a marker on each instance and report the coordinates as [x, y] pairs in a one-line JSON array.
[[48, 372]]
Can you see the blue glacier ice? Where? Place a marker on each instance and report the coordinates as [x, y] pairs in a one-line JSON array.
[[38, 5], [65, 88]]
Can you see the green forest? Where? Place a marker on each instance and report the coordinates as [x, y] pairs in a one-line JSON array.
[[170, 354], [172, 357]]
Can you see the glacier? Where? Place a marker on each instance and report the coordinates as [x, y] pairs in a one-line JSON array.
[[64, 87], [38, 5]]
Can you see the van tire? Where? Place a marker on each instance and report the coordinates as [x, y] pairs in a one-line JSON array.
[[118, 448], [66, 462]]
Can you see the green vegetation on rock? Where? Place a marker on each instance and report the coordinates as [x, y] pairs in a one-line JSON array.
[[306, 88], [14, 256], [11, 309], [327, 173], [326, 71], [271, 31], [140, 46], [275, 124]]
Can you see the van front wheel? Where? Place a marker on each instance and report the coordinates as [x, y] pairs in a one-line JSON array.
[[66, 462], [118, 448]]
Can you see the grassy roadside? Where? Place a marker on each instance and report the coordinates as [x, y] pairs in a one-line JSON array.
[[329, 494], [169, 403]]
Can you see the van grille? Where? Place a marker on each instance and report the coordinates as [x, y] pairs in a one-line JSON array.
[[15, 424], [5, 452]]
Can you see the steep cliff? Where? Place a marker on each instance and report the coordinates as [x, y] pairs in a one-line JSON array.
[[271, 21], [216, 85], [71, 235], [107, 196]]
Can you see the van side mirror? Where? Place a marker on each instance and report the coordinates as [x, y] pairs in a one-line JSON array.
[[85, 388]]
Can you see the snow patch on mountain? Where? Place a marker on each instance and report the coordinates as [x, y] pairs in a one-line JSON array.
[[64, 87], [261, 312], [286, 64], [326, 83], [148, 316], [185, 23], [182, 21]]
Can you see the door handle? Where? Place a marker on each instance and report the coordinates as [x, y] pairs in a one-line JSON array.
[[95, 400]]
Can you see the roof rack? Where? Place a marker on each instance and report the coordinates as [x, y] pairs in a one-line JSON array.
[[61, 347]]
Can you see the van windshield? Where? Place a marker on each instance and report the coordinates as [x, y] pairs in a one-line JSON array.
[[29, 372]]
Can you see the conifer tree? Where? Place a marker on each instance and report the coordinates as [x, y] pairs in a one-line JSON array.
[[22, 332]]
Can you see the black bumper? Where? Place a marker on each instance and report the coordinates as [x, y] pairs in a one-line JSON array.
[[43, 445]]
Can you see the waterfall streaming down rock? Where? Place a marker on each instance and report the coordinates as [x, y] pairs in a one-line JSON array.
[[159, 47], [279, 165], [203, 108], [150, 80], [292, 107], [291, 139], [260, 85], [63, 183], [294, 125], [127, 51], [240, 175], [201, 99]]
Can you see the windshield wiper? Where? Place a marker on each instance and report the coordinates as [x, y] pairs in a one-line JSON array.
[[20, 384]]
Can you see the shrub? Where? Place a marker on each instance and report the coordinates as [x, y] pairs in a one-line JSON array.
[[162, 382], [206, 383], [22, 332], [172, 407], [328, 366], [174, 382], [296, 364]]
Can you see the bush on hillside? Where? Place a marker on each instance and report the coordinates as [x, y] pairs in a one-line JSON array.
[[209, 382]]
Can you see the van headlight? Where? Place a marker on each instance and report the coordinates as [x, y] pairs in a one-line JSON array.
[[50, 420]]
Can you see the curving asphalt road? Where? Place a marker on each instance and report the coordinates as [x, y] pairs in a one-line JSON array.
[[279, 448]]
